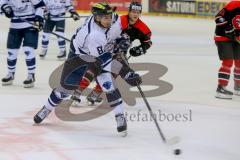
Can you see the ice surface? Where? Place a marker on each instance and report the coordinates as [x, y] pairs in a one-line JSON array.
[[186, 48]]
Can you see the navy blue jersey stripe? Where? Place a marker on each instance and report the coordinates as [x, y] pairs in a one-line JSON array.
[[40, 4], [21, 21]]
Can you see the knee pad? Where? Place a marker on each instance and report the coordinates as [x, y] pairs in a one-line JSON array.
[[12, 54], [60, 34], [227, 63], [106, 82], [237, 63], [29, 52], [45, 36], [114, 98]]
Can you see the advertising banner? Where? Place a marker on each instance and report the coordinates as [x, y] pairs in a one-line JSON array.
[[172, 6], [208, 8], [201, 8], [85, 5]]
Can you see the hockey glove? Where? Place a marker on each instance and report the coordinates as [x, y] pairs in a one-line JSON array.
[[75, 16], [133, 79], [230, 32], [137, 51], [38, 21], [46, 16], [7, 10], [122, 44], [237, 39]]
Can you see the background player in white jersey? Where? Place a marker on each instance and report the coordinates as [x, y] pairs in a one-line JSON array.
[[55, 12], [22, 32], [87, 50]]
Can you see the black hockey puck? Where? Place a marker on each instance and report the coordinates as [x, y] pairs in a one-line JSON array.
[[177, 151]]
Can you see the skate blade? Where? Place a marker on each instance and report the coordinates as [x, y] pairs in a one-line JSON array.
[[7, 83], [76, 104], [61, 59], [42, 57], [90, 103], [223, 96], [93, 103], [123, 133], [37, 120], [28, 85], [236, 93], [173, 141]]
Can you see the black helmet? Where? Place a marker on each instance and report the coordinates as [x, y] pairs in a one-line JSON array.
[[135, 6], [101, 9]]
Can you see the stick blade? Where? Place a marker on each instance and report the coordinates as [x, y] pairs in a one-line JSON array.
[[173, 140]]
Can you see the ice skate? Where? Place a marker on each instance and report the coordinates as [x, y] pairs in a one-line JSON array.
[[29, 82], [62, 55], [223, 93], [94, 97], [237, 90], [43, 54], [41, 115], [8, 80], [121, 125], [76, 98]]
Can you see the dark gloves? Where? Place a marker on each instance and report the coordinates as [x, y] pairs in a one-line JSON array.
[[122, 44], [46, 16], [137, 51], [74, 15], [7, 10], [133, 79], [38, 21]]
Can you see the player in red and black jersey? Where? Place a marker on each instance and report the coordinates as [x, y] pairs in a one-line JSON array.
[[227, 39], [136, 29]]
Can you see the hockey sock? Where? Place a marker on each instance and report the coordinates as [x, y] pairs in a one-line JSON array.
[[114, 99], [30, 59], [98, 88], [237, 72], [12, 60], [86, 80], [84, 83], [224, 72], [61, 42], [55, 99], [45, 41]]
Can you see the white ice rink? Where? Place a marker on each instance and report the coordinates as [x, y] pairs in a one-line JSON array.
[[186, 48]]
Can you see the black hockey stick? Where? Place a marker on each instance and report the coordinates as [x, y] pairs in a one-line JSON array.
[[34, 25], [67, 16], [171, 141]]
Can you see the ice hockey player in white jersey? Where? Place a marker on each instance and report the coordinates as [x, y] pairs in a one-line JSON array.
[[89, 55], [54, 16], [135, 28], [22, 33]]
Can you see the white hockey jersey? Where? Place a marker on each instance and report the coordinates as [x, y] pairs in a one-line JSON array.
[[92, 39], [24, 9], [57, 8]]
